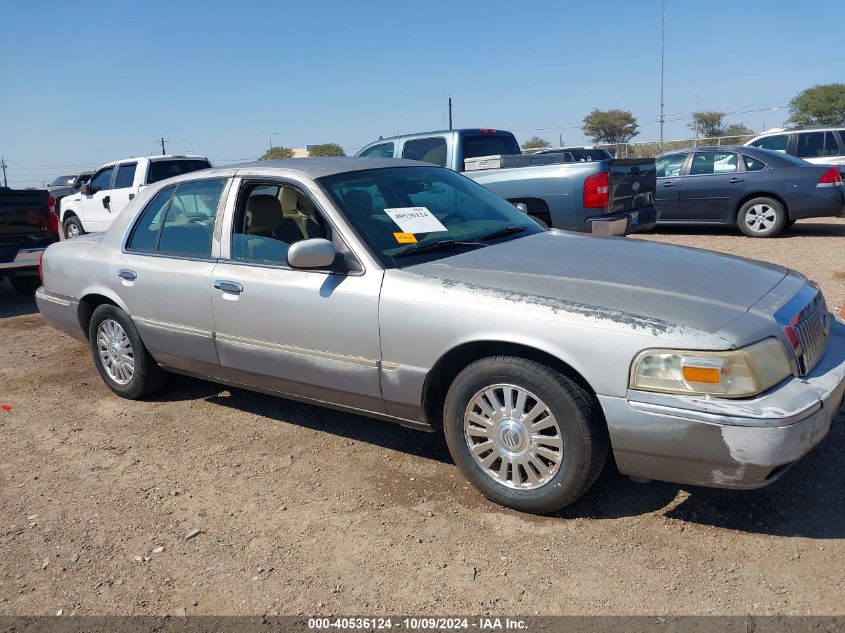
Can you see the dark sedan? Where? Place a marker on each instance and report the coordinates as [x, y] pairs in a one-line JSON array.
[[757, 190]]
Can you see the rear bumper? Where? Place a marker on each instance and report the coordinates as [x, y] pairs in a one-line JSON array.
[[24, 263], [723, 443], [60, 311], [623, 223], [825, 202]]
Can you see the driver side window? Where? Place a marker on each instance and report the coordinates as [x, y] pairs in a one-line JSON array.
[[102, 180], [272, 217]]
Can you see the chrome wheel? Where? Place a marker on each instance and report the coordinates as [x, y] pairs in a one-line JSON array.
[[115, 351], [760, 217], [513, 436], [72, 230]]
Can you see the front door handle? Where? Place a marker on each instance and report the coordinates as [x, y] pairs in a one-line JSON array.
[[232, 287], [106, 201], [131, 196], [669, 184], [129, 275], [735, 180]]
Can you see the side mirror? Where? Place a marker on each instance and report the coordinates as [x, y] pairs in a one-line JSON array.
[[314, 253], [86, 190], [522, 207]]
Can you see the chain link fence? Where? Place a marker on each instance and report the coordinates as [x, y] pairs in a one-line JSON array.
[[648, 149]]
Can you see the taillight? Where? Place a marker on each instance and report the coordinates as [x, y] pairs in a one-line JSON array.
[[52, 223], [596, 189], [41, 267], [830, 178]]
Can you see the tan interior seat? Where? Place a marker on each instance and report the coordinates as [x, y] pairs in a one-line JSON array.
[[263, 215]]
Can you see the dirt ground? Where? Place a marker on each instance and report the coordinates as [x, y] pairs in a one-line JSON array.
[[301, 510]]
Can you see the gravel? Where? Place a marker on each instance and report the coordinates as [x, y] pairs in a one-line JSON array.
[[358, 516]]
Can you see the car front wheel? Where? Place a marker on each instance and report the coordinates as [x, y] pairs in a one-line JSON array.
[[120, 356], [73, 227], [761, 217], [525, 435]]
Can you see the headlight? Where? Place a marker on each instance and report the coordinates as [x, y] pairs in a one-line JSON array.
[[734, 374]]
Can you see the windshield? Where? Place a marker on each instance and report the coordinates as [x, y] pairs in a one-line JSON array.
[[62, 180], [401, 211]]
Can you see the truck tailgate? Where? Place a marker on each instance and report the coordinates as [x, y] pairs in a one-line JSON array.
[[633, 183], [24, 222]]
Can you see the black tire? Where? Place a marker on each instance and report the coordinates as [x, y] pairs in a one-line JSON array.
[[748, 219], [789, 223], [25, 286], [147, 377], [580, 424], [70, 223]]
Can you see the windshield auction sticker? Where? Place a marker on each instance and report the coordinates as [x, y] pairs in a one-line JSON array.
[[415, 220]]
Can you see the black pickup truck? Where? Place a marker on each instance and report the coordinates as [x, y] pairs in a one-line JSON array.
[[28, 225]]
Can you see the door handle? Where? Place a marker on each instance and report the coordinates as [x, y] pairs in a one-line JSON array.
[[669, 184], [129, 275], [131, 196], [735, 180], [232, 287], [106, 201]]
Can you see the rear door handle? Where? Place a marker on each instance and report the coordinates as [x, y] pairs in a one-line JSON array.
[[106, 202], [735, 180], [129, 275], [669, 184], [232, 287]]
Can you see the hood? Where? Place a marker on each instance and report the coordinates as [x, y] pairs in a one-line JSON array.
[[675, 284]]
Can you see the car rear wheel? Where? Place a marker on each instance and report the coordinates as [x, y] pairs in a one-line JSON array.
[[761, 217], [73, 227], [525, 435], [123, 362]]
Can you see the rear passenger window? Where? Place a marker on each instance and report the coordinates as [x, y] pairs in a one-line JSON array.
[[816, 144], [145, 236], [429, 150], [125, 175], [752, 164], [179, 220], [776, 143], [713, 163], [383, 150]]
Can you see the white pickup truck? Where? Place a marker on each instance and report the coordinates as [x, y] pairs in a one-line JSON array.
[[93, 208]]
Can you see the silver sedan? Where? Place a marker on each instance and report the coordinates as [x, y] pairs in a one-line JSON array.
[[408, 293]]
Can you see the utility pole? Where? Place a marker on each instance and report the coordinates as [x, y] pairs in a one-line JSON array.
[[450, 113], [662, 45], [3, 165], [163, 140], [560, 139]]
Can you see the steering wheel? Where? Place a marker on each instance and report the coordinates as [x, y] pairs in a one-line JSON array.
[[454, 214]]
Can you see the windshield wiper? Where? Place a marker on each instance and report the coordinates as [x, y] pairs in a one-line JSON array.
[[508, 230], [434, 246]]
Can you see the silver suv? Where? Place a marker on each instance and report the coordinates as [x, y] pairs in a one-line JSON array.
[[819, 144]]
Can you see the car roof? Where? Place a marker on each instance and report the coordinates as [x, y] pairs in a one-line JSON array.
[[312, 167], [802, 128], [155, 158], [464, 130]]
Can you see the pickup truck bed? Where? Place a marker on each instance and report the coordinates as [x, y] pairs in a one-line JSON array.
[[28, 225]]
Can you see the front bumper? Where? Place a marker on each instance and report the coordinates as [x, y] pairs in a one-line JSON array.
[[623, 222], [728, 443]]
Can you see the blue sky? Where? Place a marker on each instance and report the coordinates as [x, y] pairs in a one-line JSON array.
[[88, 82]]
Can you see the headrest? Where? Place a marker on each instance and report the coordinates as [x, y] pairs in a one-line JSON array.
[[263, 214], [290, 200], [359, 202]]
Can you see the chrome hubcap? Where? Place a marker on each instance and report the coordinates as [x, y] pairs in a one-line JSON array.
[[513, 436], [760, 217], [115, 351], [72, 230]]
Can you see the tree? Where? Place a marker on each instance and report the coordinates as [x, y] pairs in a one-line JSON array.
[[326, 149], [737, 129], [823, 104], [610, 126], [276, 153], [708, 124], [535, 142], [712, 125]]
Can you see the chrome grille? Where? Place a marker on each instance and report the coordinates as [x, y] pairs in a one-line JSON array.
[[812, 329]]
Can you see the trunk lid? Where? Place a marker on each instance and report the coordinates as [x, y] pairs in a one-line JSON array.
[[633, 183]]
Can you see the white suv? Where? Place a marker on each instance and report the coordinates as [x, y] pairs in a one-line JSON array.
[[93, 208], [819, 144]]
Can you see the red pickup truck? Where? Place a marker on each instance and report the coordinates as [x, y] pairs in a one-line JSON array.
[[28, 225]]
